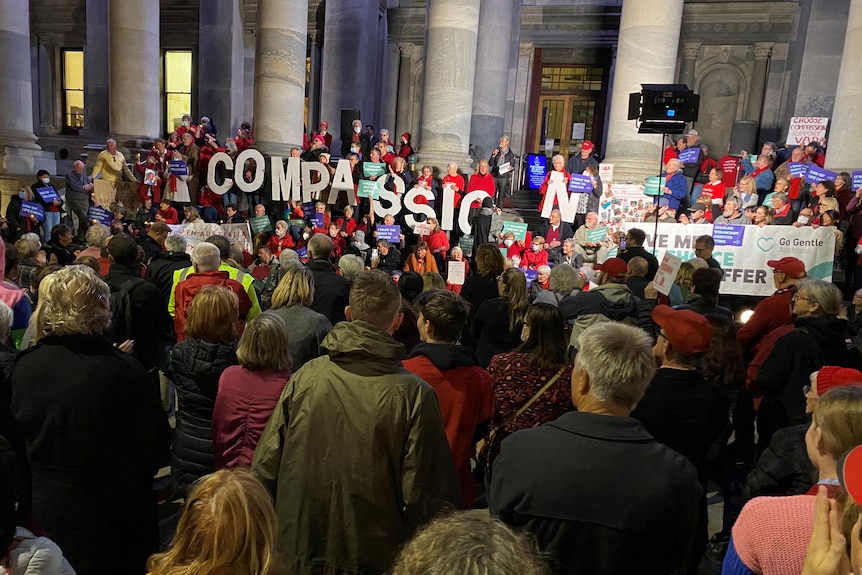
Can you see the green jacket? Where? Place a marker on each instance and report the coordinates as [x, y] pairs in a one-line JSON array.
[[355, 455]]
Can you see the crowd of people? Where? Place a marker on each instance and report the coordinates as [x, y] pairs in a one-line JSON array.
[[333, 401]]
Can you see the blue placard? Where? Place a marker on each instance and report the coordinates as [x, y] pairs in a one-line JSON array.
[[537, 166], [302, 253], [580, 184], [32, 209], [100, 215], [391, 233], [318, 219], [178, 167], [817, 174], [727, 235], [532, 275], [308, 210], [797, 169], [689, 155], [48, 194], [857, 180]]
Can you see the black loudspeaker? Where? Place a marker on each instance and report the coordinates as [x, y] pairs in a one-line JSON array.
[[743, 136], [347, 117]]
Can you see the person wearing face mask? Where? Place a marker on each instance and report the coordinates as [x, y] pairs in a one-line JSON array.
[[536, 256], [806, 216], [356, 137], [405, 150], [280, 239], [52, 208], [18, 224], [204, 129], [358, 247], [186, 126]]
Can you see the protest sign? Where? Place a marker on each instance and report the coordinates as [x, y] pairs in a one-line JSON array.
[[804, 130], [260, 224], [689, 155], [532, 275], [606, 173], [666, 273], [99, 215], [745, 269], [597, 235], [178, 167], [391, 233], [817, 174], [422, 229], [237, 234], [728, 235], [33, 209], [105, 193], [48, 194], [580, 184], [856, 180], [466, 244], [370, 169], [797, 169], [654, 186], [368, 189], [455, 273], [517, 228]]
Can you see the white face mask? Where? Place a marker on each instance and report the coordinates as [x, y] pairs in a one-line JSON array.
[[803, 220], [354, 150], [537, 248], [356, 129], [305, 235], [46, 180], [280, 232], [508, 243], [357, 244], [186, 123]]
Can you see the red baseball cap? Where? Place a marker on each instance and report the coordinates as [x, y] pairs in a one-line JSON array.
[[790, 266], [587, 145], [850, 473], [614, 267], [831, 376], [688, 332]]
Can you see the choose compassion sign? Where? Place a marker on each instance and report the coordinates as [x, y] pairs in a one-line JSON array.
[[292, 180]]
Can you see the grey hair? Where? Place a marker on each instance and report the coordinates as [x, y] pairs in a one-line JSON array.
[[175, 243], [569, 242], [351, 266], [674, 161], [554, 159], [286, 255], [734, 200], [618, 359], [544, 269], [781, 196], [823, 293], [206, 257], [698, 263], [96, 234], [564, 278], [6, 319]]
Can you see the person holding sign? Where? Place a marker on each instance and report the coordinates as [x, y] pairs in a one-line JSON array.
[[556, 182], [502, 163], [456, 258], [761, 171], [481, 180], [49, 199], [675, 190], [593, 249], [79, 190]]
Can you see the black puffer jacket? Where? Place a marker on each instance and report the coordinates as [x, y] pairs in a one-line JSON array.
[[783, 468], [195, 369]]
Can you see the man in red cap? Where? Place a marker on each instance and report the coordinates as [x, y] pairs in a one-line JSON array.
[[611, 300], [579, 162], [680, 408], [774, 311]]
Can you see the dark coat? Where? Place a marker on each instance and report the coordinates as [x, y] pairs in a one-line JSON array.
[[195, 369], [783, 468], [162, 268], [391, 262], [490, 329], [331, 291], [566, 231], [600, 495], [639, 251], [95, 436]]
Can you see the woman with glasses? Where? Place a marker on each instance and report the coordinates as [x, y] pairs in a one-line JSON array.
[[819, 338]]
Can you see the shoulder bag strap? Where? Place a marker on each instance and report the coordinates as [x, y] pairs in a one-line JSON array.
[[529, 402]]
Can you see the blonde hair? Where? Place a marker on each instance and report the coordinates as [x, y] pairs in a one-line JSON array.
[[213, 314], [432, 280], [838, 415], [828, 204], [228, 525], [685, 274], [72, 301], [263, 344], [295, 288]]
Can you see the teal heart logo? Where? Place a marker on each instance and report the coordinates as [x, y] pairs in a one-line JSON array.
[[765, 244]]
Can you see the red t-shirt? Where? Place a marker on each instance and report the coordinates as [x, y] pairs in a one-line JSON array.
[[729, 168], [459, 186]]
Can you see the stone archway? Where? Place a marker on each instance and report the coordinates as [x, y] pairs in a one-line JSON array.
[[722, 91]]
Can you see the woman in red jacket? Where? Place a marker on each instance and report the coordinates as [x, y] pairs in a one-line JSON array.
[[346, 225], [559, 164], [248, 392], [481, 180], [167, 213], [536, 256], [281, 239]]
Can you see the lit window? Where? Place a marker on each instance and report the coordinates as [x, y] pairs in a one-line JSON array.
[[73, 89], [178, 87]]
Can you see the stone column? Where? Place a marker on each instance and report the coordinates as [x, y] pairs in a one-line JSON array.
[[96, 121], [221, 65], [314, 53], [493, 53], [134, 77], [646, 54], [405, 89], [350, 48], [19, 153], [279, 77], [844, 146], [690, 52], [759, 75], [450, 65], [389, 104]]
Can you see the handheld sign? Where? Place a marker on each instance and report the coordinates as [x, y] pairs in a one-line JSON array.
[[532, 275], [150, 177], [32, 209], [517, 228], [466, 245], [817, 174], [370, 169], [580, 184], [654, 186], [689, 156], [455, 273], [260, 224], [179, 167], [391, 233], [597, 235], [100, 215], [318, 219], [504, 169], [296, 223], [797, 169], [308, 210], [857, 180], [422, 229], [368, 189], [48, 194], [666, 273], [728, 235]]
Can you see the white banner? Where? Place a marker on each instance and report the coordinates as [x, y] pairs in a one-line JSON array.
[[804, 130], [744, 265], [238, 234]]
